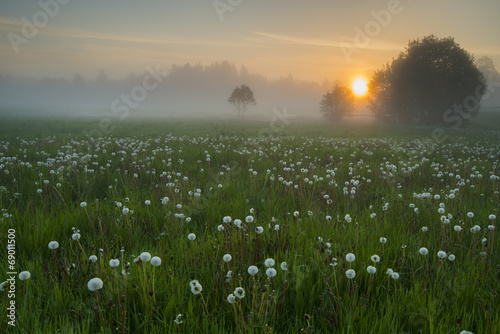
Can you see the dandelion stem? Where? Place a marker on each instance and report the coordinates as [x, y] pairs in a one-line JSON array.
[[100, 312]]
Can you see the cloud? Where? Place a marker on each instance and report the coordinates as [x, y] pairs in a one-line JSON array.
[[8, 24], [376, 44], [296, 40]]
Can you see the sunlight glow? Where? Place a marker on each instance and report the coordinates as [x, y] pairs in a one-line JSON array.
[[360, 86]]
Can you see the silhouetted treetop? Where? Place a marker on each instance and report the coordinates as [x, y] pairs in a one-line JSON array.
[[432, 80]]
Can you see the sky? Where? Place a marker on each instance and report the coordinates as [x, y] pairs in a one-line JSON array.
[[311, 40]]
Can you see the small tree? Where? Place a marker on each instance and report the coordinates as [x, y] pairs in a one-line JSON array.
[[242, 98], [337, 103]]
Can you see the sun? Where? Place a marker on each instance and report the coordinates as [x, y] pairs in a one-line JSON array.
[[360, 86]]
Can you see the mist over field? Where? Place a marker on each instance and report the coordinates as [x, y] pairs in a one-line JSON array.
[[185, 90]]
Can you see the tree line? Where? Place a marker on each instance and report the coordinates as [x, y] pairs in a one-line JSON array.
[[433, 81]]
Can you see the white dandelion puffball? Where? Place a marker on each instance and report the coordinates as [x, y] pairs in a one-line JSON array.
[[196, 287], [424, 228], [155, 261], [423, 251], [145, 257], [178, 319], [395, 275], [441, 255], [492, 217], [271, 272], [93, 258], [470, 214], [227, 257], [231, 299], [83, 204], [284, 266], [226, 219], [95, 284], [296, 214], [491, 227], [269, 262], [350, 274], [259, 229], [192, 236], [147, 202], [76, 236], [237, 223], [451, 257], [348, 218], [457, 228], [371, 270], [383, 240], [253, 270], [350, 257], [24, 275], [375, 258], [239, 292], [220, 228], [53, 245], [113, 263], [389, 271], [249, 219]]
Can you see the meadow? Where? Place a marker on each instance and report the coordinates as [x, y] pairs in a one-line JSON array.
[[223, 226]]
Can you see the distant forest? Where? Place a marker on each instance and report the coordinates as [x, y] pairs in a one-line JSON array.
[[185, 90]]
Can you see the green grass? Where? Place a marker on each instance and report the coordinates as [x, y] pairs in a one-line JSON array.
[[430, 296]]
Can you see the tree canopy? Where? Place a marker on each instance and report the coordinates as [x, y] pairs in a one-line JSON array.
[[432, 80], [242, 98], [337, 102]]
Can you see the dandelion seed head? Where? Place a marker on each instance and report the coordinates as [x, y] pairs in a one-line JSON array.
[[145, 257], [95, 284], [113, 263], [253, 270], [155, 261], [350, 273], [24, 275], [53, 245], [271, 272]]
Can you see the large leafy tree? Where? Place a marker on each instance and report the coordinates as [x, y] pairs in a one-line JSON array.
[[432, 80], [242, 98], [337, 102]]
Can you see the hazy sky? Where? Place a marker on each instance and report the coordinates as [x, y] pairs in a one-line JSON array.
[[274, 38]]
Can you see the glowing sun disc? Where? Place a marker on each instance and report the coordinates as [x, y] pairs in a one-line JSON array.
[[360, 86]]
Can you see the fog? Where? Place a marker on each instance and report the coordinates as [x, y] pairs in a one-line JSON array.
[[189, 90], [182, 90]]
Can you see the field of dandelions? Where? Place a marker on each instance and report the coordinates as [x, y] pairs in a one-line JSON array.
[[210, 228]]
